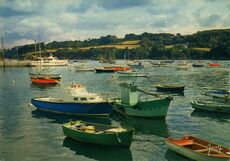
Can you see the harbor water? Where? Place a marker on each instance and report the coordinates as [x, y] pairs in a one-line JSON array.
[[27, 134]]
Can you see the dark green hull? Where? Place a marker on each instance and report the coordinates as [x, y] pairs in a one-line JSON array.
[[147, 109], [122, 139]]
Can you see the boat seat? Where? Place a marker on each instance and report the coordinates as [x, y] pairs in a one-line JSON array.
[[201, 150], [184, 142]]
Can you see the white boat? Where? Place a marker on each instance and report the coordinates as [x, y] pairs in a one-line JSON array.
[[183, 65], [83, 68], [79, 92], [131, 73], [48, 61]]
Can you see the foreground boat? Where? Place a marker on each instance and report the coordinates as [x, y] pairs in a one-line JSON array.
[[98, 134], [211, 106], [83, 103], [174, 88], [151, 108], [198, 149]]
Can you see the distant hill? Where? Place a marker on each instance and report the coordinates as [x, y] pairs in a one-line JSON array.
[[210, 44]]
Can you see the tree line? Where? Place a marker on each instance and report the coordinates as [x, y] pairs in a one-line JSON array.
[[210, 44]]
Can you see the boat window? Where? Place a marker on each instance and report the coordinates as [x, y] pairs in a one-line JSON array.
[[83, 99]]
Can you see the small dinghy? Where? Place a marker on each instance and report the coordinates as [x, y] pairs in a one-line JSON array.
[[174, 88], [198, 149], [93, 133]]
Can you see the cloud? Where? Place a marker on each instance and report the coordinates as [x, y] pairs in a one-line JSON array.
[[82, 19]]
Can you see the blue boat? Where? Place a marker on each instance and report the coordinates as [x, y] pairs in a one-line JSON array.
[[82, 103], [73, 107]]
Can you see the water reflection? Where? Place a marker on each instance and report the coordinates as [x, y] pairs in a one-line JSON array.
[[156, 127], [60, 118], [98, 152], [173, 156]]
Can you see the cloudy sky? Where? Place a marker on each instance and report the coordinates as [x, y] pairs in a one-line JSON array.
[[61, 20]]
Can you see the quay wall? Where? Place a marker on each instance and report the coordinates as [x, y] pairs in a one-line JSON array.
[[14, 63]]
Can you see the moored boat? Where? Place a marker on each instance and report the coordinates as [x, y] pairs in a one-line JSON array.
[[82, 103], [131, 73], [219, 95], [45, 78], [48, 61], [214, 64], [83, 68], [132, 106], [197, 65], [198, 149], [211, 106], [174, 88], [104, 70], [98, 134]]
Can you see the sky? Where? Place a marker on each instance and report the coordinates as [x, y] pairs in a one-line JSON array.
[[60, 20]]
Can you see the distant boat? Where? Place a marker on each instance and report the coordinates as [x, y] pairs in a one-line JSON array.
[[152, 108], [174, 88], [211, 106], [48, 61], [183, 65], [83, 68], [98, 134], [111, 69], [135, 64], [198, 65], [214, 64], [198, 149], [45, 78], [82, 103], [104, 70], [131, 73]]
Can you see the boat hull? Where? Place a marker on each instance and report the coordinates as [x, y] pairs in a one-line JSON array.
[[216, 107], [104, 70], [73, 108], [173, 89], [122, 139], [148, 109], [44, 81], [131, 74], [191, 154]]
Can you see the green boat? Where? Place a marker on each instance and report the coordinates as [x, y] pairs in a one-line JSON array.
[[98, 134], [151, 108], [211, 106], [198, 149]]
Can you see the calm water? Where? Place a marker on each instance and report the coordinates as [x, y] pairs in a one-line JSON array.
[[30, 135]]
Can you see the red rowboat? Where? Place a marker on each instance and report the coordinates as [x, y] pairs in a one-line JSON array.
[[214, 64]]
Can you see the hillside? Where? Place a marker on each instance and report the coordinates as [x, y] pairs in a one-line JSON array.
[[210, 44]]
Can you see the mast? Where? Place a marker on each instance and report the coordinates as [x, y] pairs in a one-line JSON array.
[[3, 56], [39, 47]]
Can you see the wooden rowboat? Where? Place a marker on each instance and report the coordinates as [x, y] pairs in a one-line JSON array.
[[98, 134], [198, 149]]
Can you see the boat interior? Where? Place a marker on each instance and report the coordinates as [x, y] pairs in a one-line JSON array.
[[93, 128], [203, 147]]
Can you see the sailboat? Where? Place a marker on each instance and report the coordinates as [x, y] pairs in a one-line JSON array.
[[44, 77]]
